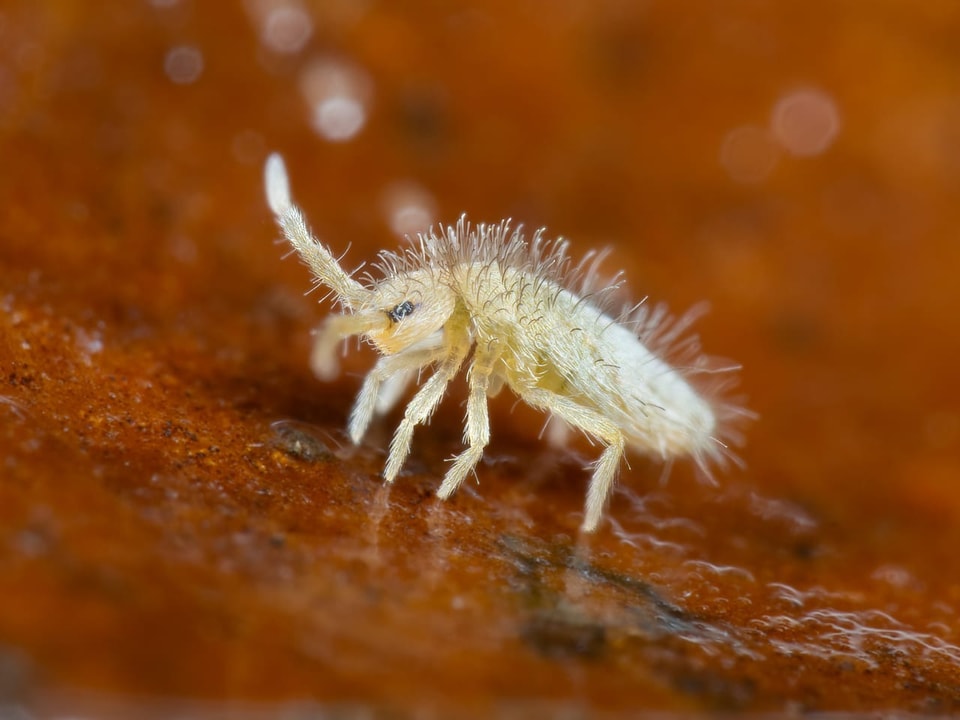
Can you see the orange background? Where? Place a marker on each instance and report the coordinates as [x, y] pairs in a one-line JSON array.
[[182, 521]]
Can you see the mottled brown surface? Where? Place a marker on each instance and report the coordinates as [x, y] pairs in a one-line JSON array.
[[181, 520]]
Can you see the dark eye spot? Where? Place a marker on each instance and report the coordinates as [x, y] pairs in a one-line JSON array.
[[401, 311]]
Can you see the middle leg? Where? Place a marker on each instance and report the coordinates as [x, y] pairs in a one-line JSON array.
[[477, 432]]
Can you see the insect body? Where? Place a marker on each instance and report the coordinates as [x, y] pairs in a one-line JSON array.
[[526, 319]]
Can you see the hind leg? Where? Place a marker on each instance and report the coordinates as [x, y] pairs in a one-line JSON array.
[[592, 423]]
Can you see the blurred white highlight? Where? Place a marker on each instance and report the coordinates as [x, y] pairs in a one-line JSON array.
[[409, 208], [805, 122], [339, 95], [284, 26], [749, 154], [183, 64]]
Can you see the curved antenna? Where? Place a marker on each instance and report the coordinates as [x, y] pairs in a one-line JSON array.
[[318, 258]]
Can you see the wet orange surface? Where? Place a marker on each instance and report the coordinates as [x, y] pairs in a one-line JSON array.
[[183, 523]]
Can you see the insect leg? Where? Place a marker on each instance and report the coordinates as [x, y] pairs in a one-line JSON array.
[[323, 356], [423, 404], [390, 375], [477, 433], [593, 423], [393, 386], [497, 381], [392, 389]]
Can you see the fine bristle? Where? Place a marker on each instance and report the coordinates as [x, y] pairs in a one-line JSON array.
[[277, 184]]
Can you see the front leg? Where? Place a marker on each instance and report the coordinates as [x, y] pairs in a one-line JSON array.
[[393, 387], [390, 376]]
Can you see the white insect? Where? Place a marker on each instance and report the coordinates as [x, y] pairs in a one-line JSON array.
[[533, 323]]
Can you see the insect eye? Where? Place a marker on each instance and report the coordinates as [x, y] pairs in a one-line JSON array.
[[401, 311]]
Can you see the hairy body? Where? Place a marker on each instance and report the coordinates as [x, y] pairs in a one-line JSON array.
[[527, 319]]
